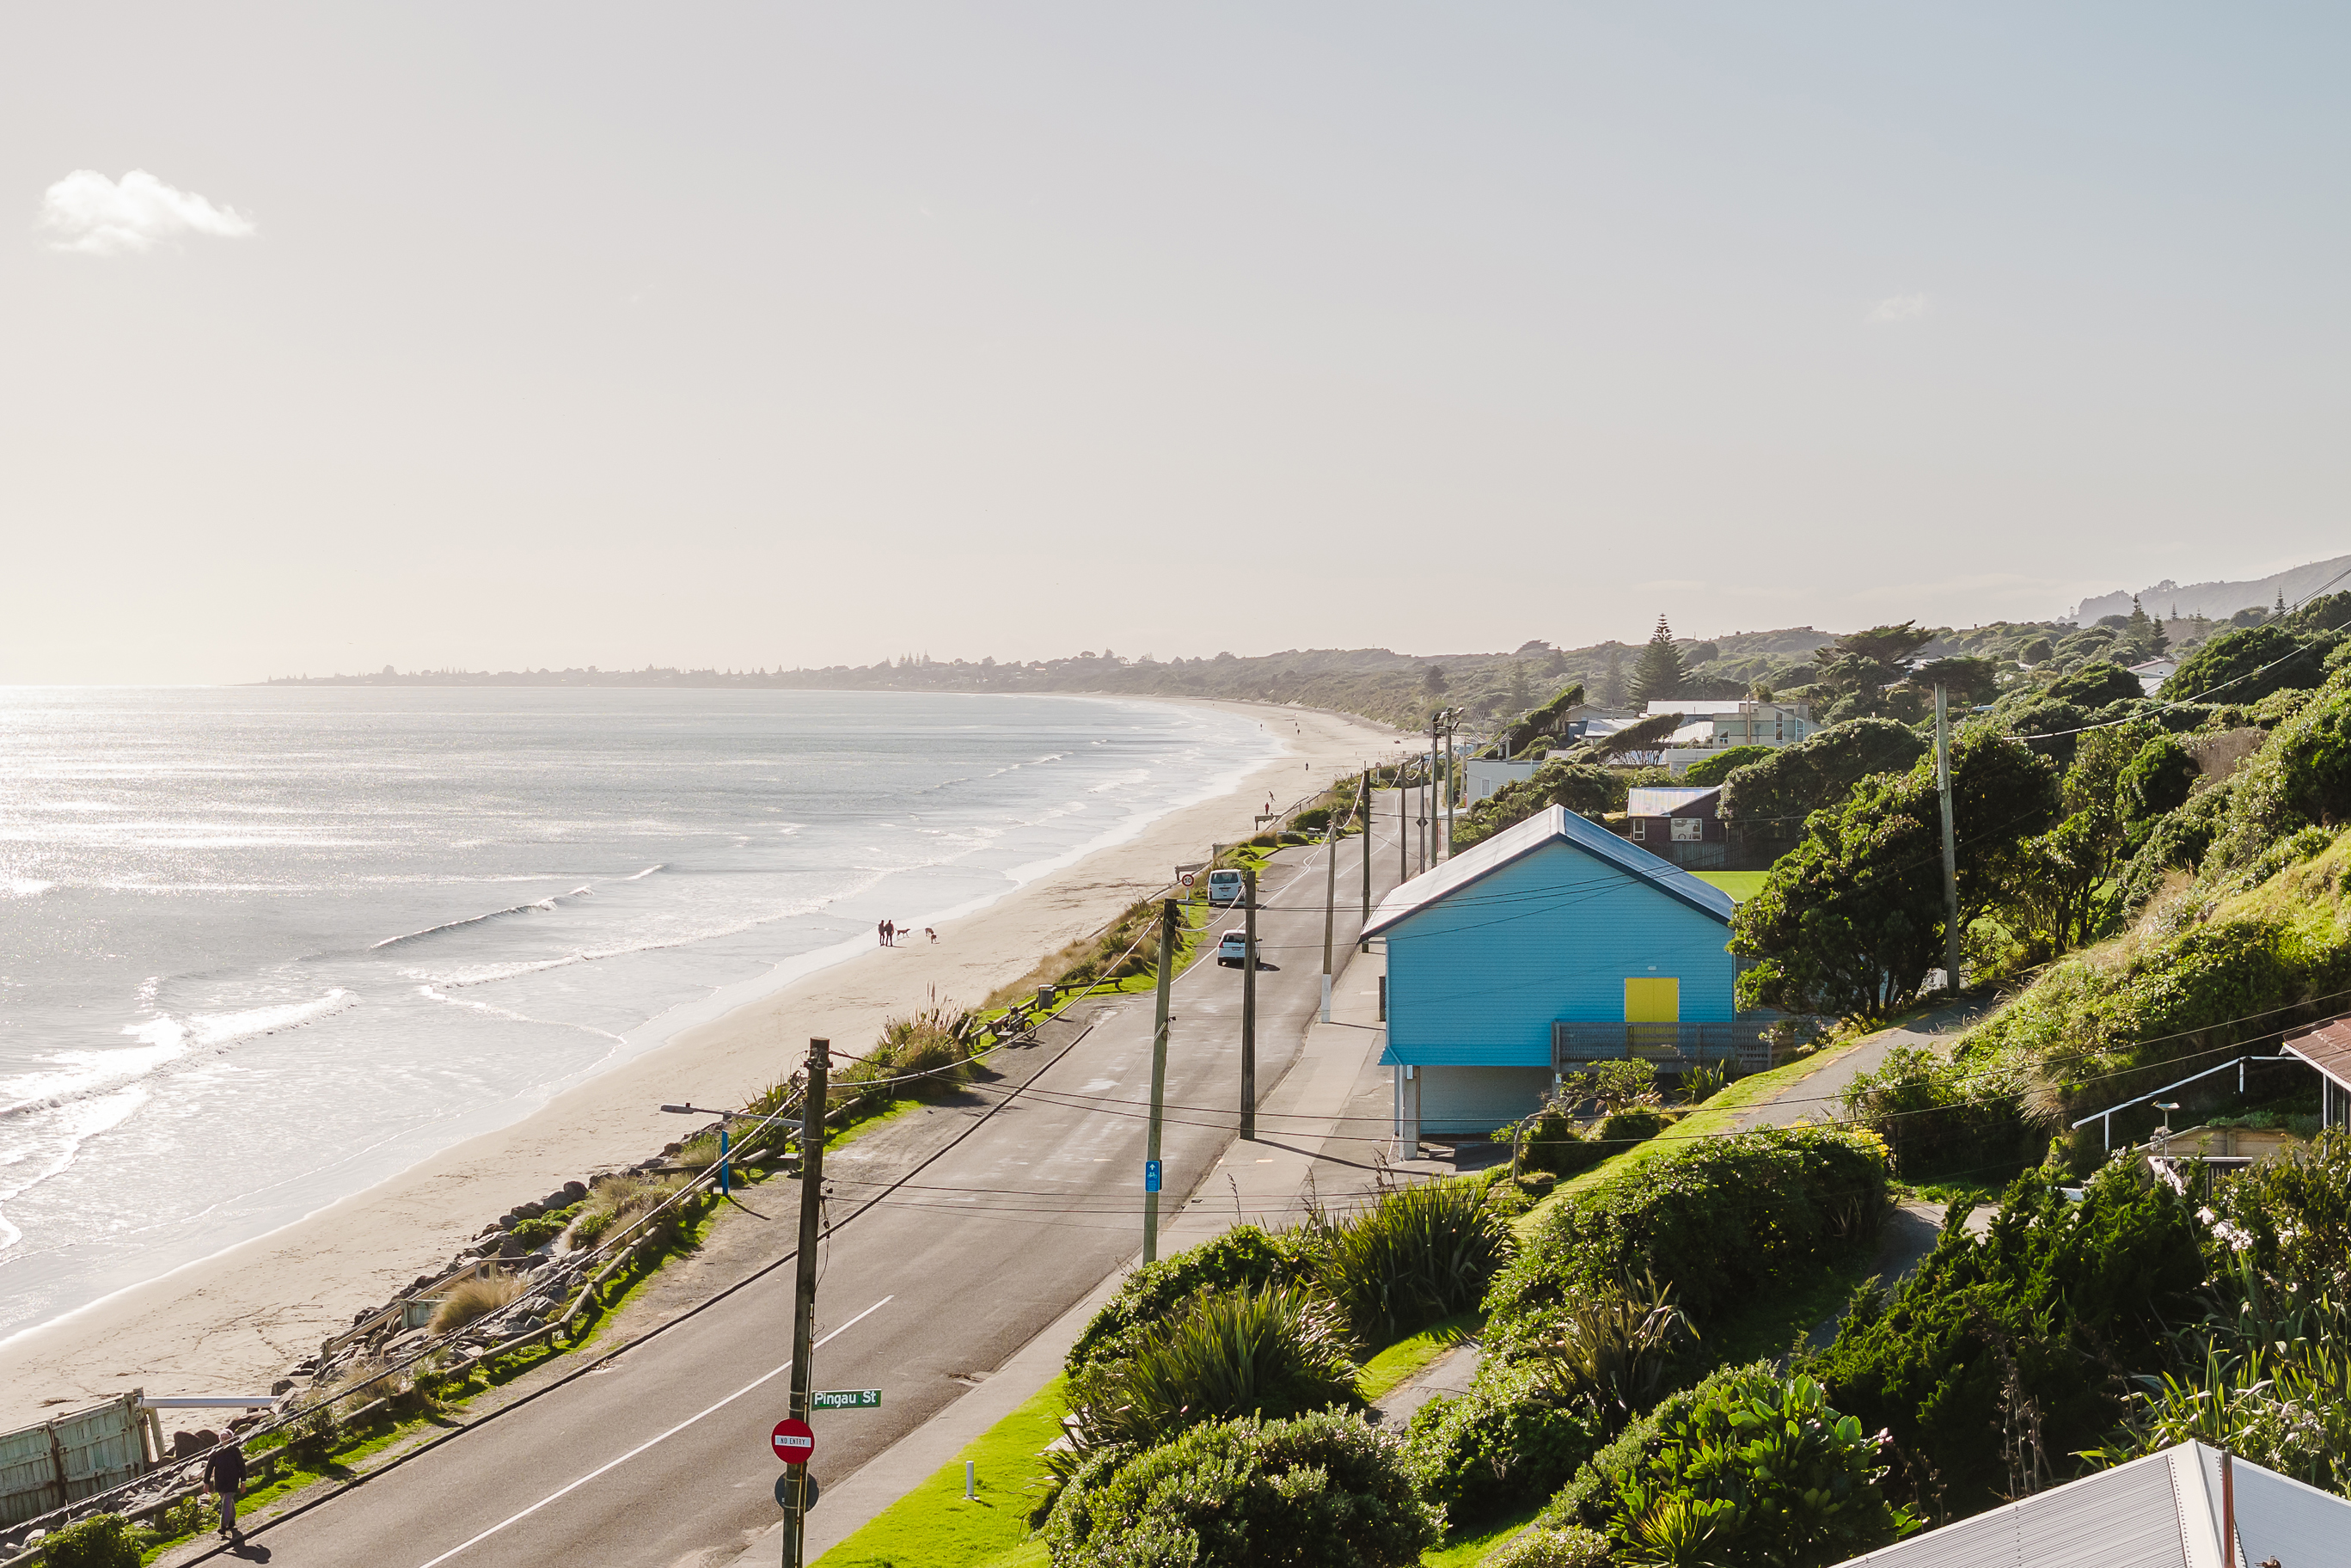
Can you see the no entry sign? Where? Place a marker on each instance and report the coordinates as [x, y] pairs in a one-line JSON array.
[[794, 1442]]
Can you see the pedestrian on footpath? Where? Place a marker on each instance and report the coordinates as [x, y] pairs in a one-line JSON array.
[[223, 1475]]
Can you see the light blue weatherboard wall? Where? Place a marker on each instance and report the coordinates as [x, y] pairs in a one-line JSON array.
[[1543, 921]]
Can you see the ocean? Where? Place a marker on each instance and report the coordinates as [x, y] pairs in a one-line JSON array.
[[262, 947]]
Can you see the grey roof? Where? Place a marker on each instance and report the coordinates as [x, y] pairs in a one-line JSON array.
[[1663, 801], [2326, 1046], [2161, 1511], [1552, 825]]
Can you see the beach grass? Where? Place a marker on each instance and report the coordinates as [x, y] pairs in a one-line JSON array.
[[932, 1526]]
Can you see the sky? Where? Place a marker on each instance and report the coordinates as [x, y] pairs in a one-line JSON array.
[[742, 336]]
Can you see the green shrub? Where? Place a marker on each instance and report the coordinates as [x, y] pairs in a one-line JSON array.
[[1273, 1350], [1319, 1491], [101, 1540], [541, 1229], [1751, 1469], [1614, 1350], [1246, 1254], [2157, 779], [1939, 1118], [1771, 798], [1718, 766], [1513, 1436], [2292, 1215], [2006, 1355], [1420, 1254], [2230, 667], [1722, 1221], [1574, 1547], [2093, 685], [1635, 1125], [1552, 1144]]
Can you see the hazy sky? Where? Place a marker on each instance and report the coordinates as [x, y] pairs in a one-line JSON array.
[[536, 334]]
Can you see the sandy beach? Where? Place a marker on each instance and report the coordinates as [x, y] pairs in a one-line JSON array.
[[234, 1321]]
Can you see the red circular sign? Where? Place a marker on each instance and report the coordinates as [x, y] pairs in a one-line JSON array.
[[794, 1442]]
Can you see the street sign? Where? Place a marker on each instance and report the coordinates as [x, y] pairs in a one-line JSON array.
[[1151, 1175], [784, 1492], [794, 1442], [1186, 877], [846, 1399]]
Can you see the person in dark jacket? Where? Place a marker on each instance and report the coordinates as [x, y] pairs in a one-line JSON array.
[[224, 1474]]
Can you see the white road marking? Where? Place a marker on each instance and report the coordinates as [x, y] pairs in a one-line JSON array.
[[664, 1438]]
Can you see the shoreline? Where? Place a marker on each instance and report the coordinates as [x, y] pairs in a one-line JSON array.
[[241, 1318]]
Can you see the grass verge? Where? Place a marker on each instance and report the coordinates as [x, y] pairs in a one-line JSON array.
[[1461, 1551], [1402, 1361], [932, 1526], [1740, 885]]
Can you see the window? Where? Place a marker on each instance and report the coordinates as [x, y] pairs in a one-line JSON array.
[[1689, 829], [1640, 830]]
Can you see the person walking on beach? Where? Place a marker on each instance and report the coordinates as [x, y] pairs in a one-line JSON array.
[[888, 935], [224, 1474]]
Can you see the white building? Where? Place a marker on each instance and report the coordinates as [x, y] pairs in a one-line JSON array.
[[1710, 726], [2171, 1510]]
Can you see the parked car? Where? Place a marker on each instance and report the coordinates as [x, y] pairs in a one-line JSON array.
[[1226, 888], [1234, 949]]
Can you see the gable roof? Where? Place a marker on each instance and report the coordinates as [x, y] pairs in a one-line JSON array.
[[1552, 825], [2161, 1511], [1664, 802]]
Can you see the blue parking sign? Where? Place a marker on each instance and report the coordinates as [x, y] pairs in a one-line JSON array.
[[1151, 1175]]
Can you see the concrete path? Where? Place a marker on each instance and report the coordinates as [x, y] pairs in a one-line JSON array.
[[1819, 1095]]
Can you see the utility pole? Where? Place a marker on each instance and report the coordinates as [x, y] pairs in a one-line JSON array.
[[1248, 1005], [1403, 829], [1950, 840], [1158, 1083], [1329, 902], [1451, 722], [1365, 799], [812, 1106]]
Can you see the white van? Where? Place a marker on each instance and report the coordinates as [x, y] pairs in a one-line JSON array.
[[1225, 888]]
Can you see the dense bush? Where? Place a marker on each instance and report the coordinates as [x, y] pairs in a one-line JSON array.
[[2158, 779], [1549, 1142], [1722, 764], [101, 1540], [1321, 1491], [1540, 1547], [2292, 1213], [2093, 685], [1750, 1467], [1722, 1221], [1272, 1351], [2229, 667], [1514, 1436], [1942, 1119], [1246, 1254], [2005, 1355], [1420, 1254], [1771, 798]]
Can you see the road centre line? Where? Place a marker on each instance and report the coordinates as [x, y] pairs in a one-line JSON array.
[[673, 1431]]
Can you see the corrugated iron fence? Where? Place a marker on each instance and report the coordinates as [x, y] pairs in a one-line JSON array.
[[62, 1460]]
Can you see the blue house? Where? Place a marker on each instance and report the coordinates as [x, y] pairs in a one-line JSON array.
[[1552, 944]]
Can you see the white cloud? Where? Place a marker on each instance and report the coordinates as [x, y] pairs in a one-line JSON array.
[[96, 216], [1901, 307]]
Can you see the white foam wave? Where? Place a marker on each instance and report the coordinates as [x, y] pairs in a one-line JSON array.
[[542, 906], [28, 886]]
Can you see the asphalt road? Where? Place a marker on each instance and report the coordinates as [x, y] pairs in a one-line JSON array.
[[660, 1457]]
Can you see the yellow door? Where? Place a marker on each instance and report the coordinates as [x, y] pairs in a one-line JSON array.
[[1653, 1002]]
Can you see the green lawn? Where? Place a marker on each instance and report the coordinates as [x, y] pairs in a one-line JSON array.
[[1740, 884], [934, 1527], [1396, 1365]]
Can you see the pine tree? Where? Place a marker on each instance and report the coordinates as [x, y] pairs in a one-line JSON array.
[[1659, 675]]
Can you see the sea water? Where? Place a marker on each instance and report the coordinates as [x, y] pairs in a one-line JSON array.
[[262, 947]]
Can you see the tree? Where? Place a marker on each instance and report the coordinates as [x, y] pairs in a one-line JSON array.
[[1432, 683], [1850, 921], [1660, 674], [1970, 678], [2145, 635], [1542, 724], [1649, 733], [2093, 685], [1714, 769], [1771, 798], [1855, 668]]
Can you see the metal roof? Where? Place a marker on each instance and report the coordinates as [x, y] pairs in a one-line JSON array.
[[1552, 825], [1664, 802], [2161, 1511], [2326, 1046]]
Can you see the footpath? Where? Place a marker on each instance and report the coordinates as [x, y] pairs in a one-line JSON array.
[[1307, 1151]]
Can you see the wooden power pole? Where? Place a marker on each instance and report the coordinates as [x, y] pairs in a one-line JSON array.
[[1248, 1005], [1950, 842], [1158, 1083], [813, 1105]]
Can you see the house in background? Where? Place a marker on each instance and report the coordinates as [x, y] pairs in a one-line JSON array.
[[1551, 945], [2176, 1508], [1481, 776], [1684, 825], [1712, 726], [2154, 673]]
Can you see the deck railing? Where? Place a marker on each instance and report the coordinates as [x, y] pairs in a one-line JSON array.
[[1672, 1047]]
